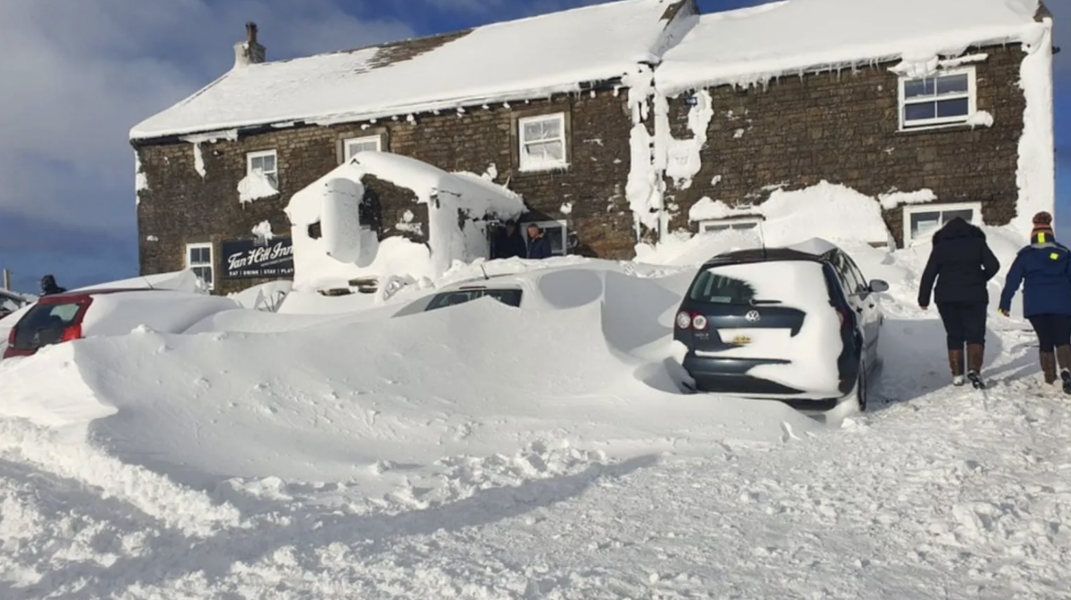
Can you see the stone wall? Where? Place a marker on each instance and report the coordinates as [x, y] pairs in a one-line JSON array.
[[844, 128], [180, 206]]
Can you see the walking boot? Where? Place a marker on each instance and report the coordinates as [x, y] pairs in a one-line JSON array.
[[1048, 367], [955, 362], [1063, 355], [975, 358]]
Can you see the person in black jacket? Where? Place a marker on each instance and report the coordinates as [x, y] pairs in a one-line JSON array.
[[538, 244], [508, 242], [49, 286], [962, 265]]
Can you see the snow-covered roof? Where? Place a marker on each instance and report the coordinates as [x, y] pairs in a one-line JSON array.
[[513, 60], [754, 45]]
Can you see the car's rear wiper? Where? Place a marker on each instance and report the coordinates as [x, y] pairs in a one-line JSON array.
[[762, 302]]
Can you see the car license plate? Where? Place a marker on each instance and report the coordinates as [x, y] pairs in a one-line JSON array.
[[741, 340]]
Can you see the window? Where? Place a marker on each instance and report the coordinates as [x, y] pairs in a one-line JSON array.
[[354, 145], [509, 297], [922, 220], [555, 232], [727, 224], [542, 142], [199, 258], [265, 163], [944, 99], [712, 288]]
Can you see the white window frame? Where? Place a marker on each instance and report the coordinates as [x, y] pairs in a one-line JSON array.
[[971, 95], [210, 265], [347, 155], [273, 176], [705, 224], [522, 142], [543, 225], [909, 210]]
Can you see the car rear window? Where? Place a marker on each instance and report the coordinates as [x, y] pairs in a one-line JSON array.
[[44, 324], [715, 288], [770, 282], [508, 297]]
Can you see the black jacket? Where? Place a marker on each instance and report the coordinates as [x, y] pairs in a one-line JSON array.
[[961, 263], [509, 245]]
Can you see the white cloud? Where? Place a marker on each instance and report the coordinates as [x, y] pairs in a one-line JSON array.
[[75, 76]]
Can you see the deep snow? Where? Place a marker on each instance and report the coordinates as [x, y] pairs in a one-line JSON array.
[[487, 452]]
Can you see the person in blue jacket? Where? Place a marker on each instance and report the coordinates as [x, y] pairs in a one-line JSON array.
[[1043, 269], [538, 244]]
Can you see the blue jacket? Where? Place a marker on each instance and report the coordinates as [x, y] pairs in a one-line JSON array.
[[1044, 271], [539, 247]]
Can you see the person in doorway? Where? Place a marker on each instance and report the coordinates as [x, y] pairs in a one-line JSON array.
[[961, 263], [1043, 269], [538, 244], [49, 286], [508, 242]]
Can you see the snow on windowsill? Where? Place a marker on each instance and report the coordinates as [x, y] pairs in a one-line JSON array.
[[894, 198], [544, 168], [957, 126], [981, 118], [255, 186]]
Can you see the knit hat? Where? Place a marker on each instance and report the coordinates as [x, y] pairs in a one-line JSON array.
[[1042, 225]]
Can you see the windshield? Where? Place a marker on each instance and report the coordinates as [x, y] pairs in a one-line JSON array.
[[44, 324], [510, 297]]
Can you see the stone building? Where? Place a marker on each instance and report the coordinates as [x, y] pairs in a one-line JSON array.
[[614, 121]]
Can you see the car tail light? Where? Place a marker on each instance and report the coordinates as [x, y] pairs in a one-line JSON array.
[[691, 320], [74, 332]]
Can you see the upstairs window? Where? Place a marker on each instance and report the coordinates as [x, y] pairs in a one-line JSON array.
[[199, 259], [717, 225], [266, 163], [352, 146], [542, 142], [946, 98]]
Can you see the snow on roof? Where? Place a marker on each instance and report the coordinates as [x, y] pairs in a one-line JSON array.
[[513, 60], [754, 45]]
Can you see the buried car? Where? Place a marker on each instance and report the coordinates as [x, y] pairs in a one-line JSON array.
[[798, 324], [69, 316], [507, 290]]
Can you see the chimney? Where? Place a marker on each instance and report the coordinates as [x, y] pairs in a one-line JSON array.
[[249, 52]]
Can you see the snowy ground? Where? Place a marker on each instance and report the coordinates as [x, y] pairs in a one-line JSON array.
[[300, 456]]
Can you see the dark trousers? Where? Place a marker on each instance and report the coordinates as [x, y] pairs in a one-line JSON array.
[[1053, 331], [964, 322]]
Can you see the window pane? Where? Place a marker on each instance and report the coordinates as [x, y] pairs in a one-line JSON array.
[[923, 224], [360, 146], [544, 153], [710, 227], [919, 112], [965, 214], [264, 164], [919, 88], [545, 129], [953, 84], [557, 240], [742, 226], [953, 108]]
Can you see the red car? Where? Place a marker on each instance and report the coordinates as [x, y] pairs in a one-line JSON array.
[[62, 317]]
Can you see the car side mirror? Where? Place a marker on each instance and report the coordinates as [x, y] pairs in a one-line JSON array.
[[878, 286]]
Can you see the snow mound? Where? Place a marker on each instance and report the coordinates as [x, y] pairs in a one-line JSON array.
[[295, 407]]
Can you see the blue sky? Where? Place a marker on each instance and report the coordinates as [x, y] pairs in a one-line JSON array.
[[78, 75]]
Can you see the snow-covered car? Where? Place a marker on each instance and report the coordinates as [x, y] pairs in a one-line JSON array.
[[99, 312], [798, 324], [511, 291]]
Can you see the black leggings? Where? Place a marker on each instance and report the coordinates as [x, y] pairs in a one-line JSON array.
[[964, 322], [1053, 331]]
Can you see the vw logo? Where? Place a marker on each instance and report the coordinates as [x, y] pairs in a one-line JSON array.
[[752, 316]]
